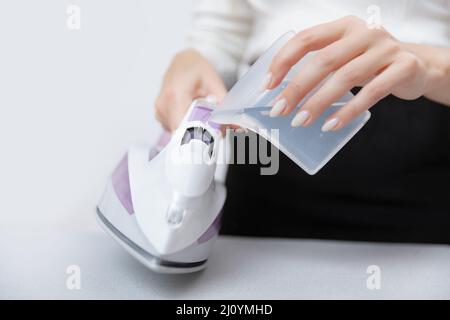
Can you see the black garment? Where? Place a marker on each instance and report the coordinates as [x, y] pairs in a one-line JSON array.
[[391, 183]]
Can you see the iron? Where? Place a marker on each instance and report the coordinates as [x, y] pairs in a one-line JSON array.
[[163, 204]]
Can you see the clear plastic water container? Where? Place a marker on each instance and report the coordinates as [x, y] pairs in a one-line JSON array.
[[248, 106]]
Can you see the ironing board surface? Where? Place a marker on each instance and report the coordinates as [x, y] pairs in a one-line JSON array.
[[239, 268]]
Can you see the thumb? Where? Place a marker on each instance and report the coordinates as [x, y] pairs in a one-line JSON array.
[[179, 111]]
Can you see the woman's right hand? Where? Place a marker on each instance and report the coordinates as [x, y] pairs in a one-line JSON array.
[[189, 76]]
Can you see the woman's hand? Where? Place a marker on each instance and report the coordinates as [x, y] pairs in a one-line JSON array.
[[189, 76], [354, 55]]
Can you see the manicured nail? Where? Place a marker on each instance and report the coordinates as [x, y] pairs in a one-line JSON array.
[[300, 118], [267, 81], [330, 124], [240, 131], [211, 99], [278, 108]]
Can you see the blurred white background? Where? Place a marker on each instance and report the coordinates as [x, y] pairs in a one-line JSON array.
[[73, 100]]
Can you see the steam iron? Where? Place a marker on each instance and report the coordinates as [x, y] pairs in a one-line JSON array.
[[163, 205]]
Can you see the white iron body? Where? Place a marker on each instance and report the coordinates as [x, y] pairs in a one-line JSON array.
[[164, 205]]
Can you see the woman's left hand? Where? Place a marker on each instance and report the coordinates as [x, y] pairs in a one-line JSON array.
[[354, 55]]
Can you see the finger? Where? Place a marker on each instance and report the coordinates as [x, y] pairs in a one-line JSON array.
[[344, 79], [311, 39], [377, 89], [171, 107], [215, 86], [320, 67], [179, 111]]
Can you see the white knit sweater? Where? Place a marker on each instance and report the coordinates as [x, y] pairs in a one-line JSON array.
[[233, 33]]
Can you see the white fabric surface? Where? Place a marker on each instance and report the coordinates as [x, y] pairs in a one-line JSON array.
[[33, 265]]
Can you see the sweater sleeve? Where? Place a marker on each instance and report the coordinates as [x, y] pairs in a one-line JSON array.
[[220, 31]]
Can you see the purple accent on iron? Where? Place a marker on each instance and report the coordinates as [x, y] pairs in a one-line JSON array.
[[200, 114], [203, 114], [164, 139], [212, 230], [214, 125], [121, 184]]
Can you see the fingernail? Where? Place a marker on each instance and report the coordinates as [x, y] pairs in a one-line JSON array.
[[300, 118], [278, 108], [330, 125], [240, 131], [211, 99], [267, 81]]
